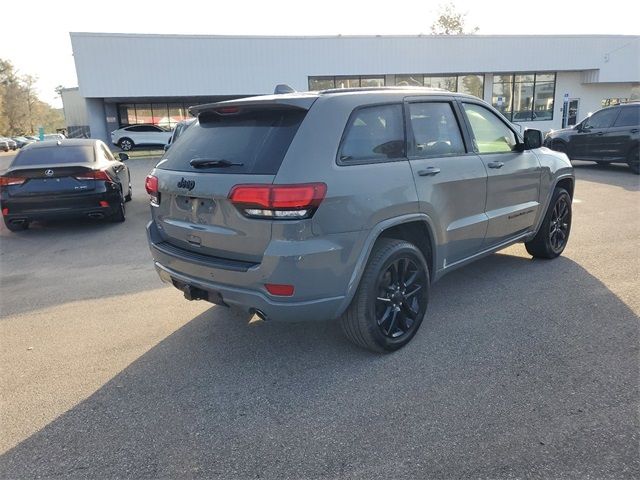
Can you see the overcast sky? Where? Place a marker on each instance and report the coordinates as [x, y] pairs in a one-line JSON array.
[[35, 37]]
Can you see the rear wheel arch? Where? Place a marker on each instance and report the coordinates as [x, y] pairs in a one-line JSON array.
[[409, 228], [417, 232]]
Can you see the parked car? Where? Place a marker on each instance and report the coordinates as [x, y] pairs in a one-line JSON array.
[[22, 141], [610, 135], [10, 142], [4, 145], [349, 204], [68, 178], [179, 130], [140, 135]]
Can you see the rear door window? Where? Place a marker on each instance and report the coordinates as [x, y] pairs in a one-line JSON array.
[[55, 155], [373, 134], [435, 130], [257, 140]]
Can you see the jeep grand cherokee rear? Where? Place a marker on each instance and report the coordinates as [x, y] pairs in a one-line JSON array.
[[215, 207], [348, 203]]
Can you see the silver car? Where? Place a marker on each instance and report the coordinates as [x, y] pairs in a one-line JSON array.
[[349, 204]]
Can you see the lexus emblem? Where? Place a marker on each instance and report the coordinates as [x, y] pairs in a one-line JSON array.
[[48, 173]]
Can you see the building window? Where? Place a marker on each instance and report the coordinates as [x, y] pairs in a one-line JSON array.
[[326, 83], [410, 80], [165, 115], [471, 84], [449, 83], [524, 97]]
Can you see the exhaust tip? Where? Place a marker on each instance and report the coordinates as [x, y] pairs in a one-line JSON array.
[[18, 221], [257, 316]]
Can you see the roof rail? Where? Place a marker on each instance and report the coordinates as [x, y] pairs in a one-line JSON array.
[[378, 89]]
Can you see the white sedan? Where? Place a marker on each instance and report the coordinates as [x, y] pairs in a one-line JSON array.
[[128, 137]]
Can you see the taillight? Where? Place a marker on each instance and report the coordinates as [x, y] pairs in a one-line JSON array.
[[280, 202], [94, 175], [6, 181], [151, 185]]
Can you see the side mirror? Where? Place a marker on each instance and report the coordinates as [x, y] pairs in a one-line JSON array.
[[166, 147], [532, 139], [123, 156]]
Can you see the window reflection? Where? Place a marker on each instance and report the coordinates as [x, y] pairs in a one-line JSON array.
[[525, 97], [165, 115]]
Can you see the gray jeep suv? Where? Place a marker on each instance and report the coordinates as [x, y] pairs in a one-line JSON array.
[[349, 204]]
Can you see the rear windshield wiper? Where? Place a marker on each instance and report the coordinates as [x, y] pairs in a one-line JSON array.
[[213, 163]]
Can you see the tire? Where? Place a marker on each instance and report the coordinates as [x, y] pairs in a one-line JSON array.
[[119, 216], [126, 144], [553, 235], [16, 228], [633, 160], [129, 195], [380, 317]]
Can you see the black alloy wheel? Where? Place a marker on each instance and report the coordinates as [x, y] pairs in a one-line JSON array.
[[398, 305], [553, 234], [392, 297], [559, 224]]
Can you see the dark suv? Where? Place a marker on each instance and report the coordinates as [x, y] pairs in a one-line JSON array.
[[611, 135], [349, 203]]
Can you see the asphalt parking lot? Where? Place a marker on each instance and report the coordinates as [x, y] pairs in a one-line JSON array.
[[522, 368]]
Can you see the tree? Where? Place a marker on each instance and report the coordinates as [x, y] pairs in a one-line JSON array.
[[21, 111], [450, 22]]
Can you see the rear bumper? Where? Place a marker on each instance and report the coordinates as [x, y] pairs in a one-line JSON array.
[[321, 276], [251, 300], [60, 206]]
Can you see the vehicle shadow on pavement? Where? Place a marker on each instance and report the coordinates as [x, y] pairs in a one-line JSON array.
[[521, 368], [616, 174]]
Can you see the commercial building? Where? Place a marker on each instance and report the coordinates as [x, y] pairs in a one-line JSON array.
[[125, 79]]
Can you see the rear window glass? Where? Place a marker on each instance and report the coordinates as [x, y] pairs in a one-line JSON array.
[[55, 155], [258, 140]]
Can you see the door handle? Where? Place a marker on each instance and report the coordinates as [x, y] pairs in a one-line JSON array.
[[495, 164], [429, 171], [634, 130], [599, 134]]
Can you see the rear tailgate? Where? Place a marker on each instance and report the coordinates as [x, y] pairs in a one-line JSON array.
[[194, 212]]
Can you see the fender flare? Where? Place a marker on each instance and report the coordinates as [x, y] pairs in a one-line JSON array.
[[372, 237], [548, 199]]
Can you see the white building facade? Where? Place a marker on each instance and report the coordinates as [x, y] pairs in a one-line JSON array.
[[541, 82]]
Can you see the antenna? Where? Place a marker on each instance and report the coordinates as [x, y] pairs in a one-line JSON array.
[[283, 88]]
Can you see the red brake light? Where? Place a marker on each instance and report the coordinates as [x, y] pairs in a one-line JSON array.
[[280, 290], [278, 201], [228, 110], [151, 186], [6, 181], [94, 175], [101, 175]]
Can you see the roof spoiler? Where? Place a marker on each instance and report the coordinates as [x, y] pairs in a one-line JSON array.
[[268, 102]]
